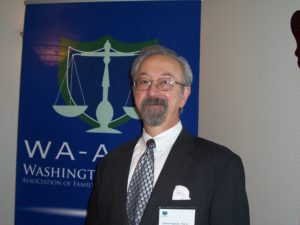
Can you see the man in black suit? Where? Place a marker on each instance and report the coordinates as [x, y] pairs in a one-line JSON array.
[[193, 181]]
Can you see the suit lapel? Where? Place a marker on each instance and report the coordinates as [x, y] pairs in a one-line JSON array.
[[176, 166], [121, 178]]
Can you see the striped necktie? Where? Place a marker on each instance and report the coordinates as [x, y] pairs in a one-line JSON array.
[[141, 185]]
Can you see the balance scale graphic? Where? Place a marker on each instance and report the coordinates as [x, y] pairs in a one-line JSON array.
[[104, 111]]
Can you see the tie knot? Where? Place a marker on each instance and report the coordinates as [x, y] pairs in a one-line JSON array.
[[150, 144]]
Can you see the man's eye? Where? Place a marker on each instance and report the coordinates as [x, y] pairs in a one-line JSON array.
[[144, 81], [165, 81]]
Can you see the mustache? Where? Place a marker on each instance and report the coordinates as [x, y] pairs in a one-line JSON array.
[[154, 101]]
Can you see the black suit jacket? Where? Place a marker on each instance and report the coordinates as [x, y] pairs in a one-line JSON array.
[[213, 174]]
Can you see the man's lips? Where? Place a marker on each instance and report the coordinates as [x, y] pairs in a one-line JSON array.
[[154, 105]]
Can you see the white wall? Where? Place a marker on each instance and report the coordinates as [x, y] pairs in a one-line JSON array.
[[11, 24], [250, 99]]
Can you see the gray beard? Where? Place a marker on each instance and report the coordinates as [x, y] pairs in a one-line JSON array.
[[154, 117]]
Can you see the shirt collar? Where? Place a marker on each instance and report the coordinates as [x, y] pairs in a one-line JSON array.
[[165, 138]]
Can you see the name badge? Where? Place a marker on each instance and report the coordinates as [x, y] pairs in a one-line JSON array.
[[177, 216]]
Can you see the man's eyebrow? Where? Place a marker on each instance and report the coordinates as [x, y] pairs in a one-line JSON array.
[[143, 73], [147, 74], [168, 74]]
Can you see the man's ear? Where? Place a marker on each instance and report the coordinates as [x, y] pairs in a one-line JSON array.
[[185, 95]]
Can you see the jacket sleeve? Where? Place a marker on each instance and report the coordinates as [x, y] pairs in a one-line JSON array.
[[230, 203], [92, 210]]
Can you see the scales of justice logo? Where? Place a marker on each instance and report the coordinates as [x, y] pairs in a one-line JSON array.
[[93, 80]]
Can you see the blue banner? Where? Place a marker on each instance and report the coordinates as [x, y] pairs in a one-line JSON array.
[[75, 95]]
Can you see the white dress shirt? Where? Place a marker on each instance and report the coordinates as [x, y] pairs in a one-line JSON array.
[[164, 142]]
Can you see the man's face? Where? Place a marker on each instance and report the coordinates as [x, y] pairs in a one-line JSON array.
[[158, 107]]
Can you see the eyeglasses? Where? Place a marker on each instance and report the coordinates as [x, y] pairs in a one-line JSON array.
[[163, 84]]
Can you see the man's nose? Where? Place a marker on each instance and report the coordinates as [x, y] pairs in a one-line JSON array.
[[153, 90]]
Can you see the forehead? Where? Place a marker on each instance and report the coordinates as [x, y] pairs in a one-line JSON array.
[[160, 65]]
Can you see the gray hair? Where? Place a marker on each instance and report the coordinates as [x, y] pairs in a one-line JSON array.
[[160, 50]]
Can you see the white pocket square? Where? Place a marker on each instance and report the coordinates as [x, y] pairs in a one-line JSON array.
[[181, 193]]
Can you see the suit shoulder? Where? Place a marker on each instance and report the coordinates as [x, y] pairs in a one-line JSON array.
[[215, 157], [211, 149], [117, 155], [213, 146], [123, 149]]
